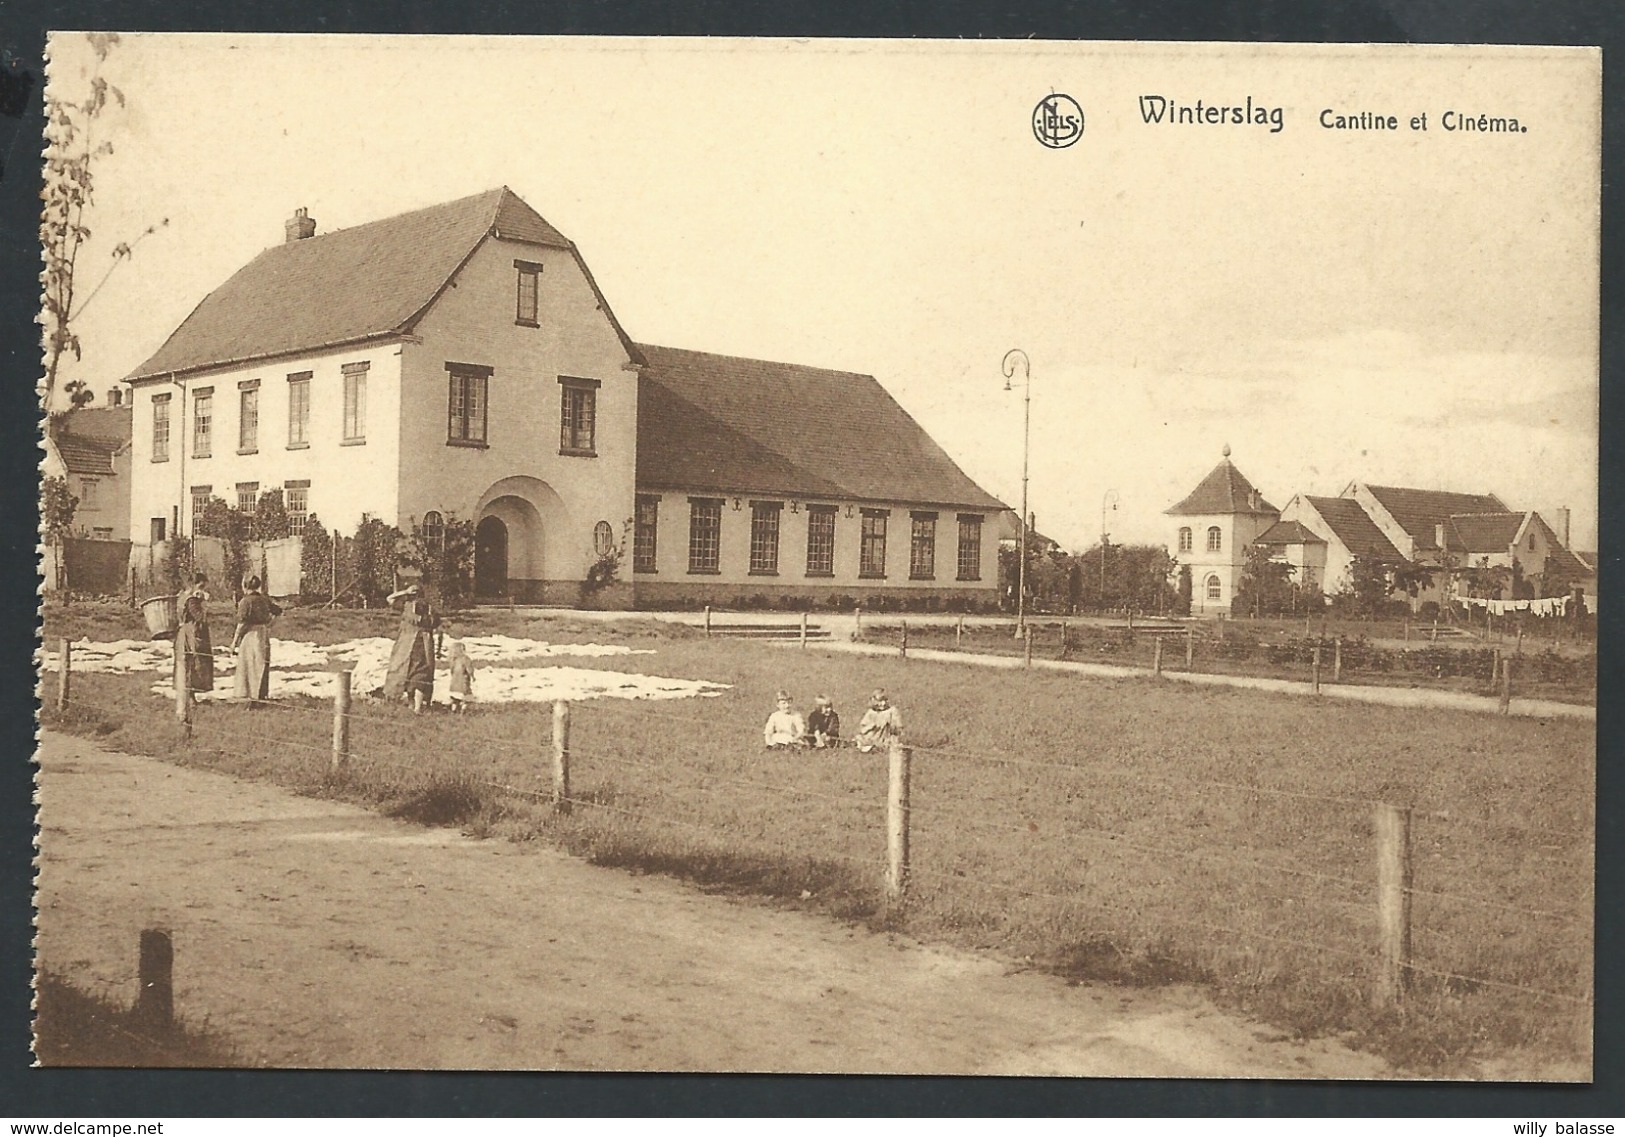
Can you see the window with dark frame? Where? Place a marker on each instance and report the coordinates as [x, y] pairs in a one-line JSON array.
[[970, 546], [872, 544], [248, 497], [355, 401], [296, 500], [202, 422], [529, 287], [87, 492], [578, 416], [645, 533], [820, 540], [764, 537], [1214, 539], [1213, 588], [160, 428], [200, 503], [467, 404], [922, 546], [434, 532], [248, 416], [1185, 539], [299, 409], [704, 534]]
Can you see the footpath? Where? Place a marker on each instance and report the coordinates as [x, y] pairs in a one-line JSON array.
[[317, 934], [1388, 696]]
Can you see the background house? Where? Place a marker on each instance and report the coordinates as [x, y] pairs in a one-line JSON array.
[[460, 361], [1214, 525], [90, 447]]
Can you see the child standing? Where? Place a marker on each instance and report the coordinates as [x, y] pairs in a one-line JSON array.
[[881, 723], [824, 725], [785, 730], [461, 665]]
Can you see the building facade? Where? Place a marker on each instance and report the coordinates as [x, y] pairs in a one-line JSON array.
[[1213, 527], [460, 362]]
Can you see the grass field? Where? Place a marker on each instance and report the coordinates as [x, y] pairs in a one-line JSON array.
[[1123, 830], [75, 1028]]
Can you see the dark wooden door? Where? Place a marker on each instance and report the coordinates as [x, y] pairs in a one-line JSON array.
[[491, 557]]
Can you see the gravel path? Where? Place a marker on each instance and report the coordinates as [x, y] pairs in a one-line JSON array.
[[317, 934]]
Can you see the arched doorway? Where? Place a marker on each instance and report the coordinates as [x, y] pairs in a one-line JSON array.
[[491, 557]]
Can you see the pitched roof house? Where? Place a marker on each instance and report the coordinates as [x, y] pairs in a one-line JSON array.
[[90, 448], [1215, 523], [461, 360]]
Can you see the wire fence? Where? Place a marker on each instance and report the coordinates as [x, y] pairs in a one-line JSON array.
[[1056, 849]]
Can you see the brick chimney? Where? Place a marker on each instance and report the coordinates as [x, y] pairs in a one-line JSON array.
[[1562, 520], [300, 226], [1438, 535]]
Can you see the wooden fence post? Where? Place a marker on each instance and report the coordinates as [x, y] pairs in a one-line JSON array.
[[1190, 647], [1314, 669], [1518, 650], [857, 621], [959, 632], [1434, 638], [897, 822], [804, 629], [132, 586], [1506, 687], [341, 720], [155, 1000], [1407, 629], [902, 643], [1337, 660], [561, 756], [1222, 622], [1393, 901], [1027, 648], [1130, 612], [1156, 658], [64, 669], [708, 621], [183, 690], [1495, 670]]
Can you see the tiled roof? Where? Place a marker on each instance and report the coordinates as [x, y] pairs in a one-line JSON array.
[[1288, 533], [1587, 559], [1419, 512], [1224, 490], [345, 286], [83, 455], [1482, 532], [112, 424], [1566, 562], [1350, 523], [716, 423]]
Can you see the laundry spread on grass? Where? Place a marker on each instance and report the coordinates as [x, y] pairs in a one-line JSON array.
[[300, 668]]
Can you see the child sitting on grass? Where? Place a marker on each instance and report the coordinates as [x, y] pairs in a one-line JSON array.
[[824, 725], [785, 730], [461, 665], [881, 723]]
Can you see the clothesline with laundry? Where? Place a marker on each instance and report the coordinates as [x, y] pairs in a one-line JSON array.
[[1546, 606]]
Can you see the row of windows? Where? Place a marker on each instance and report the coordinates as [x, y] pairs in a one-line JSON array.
[[467, 412], [248, 414], [295, 500], [705, 540], [1214, 539]]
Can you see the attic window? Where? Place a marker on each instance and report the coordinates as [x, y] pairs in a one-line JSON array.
[[529, 282]]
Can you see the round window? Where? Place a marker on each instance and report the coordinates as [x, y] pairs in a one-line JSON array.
[[603, 539]]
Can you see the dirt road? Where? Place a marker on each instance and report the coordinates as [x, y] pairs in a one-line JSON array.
[[318, 934]]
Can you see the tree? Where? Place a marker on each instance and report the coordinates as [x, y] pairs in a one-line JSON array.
[[377, 555], [315, 560], [71, 154], [1265, 588], [1367, 587], [1182, 600], [1409, 578], [1556, 578], [270, 520], [444, 556], [57, 505]]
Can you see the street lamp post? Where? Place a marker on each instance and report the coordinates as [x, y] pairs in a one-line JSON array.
[[1109, 498], [1011, 358]]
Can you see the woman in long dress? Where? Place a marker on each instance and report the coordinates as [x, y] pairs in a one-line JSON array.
[[411, 663], [192, 648], [252, 642]]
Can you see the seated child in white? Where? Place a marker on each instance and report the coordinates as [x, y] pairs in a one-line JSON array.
[[785, 730], [881, 723]]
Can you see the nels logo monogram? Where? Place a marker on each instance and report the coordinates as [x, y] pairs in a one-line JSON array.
[[1057, 121]]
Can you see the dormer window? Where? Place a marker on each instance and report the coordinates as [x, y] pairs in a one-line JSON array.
[[529, 289]]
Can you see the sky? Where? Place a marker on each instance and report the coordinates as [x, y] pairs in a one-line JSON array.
[[1405, 307]]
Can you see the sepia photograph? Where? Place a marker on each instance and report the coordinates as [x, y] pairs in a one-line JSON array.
[[1030, 558]]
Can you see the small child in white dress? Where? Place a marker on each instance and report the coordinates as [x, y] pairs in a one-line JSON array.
[[785, 729], [461, 665]]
